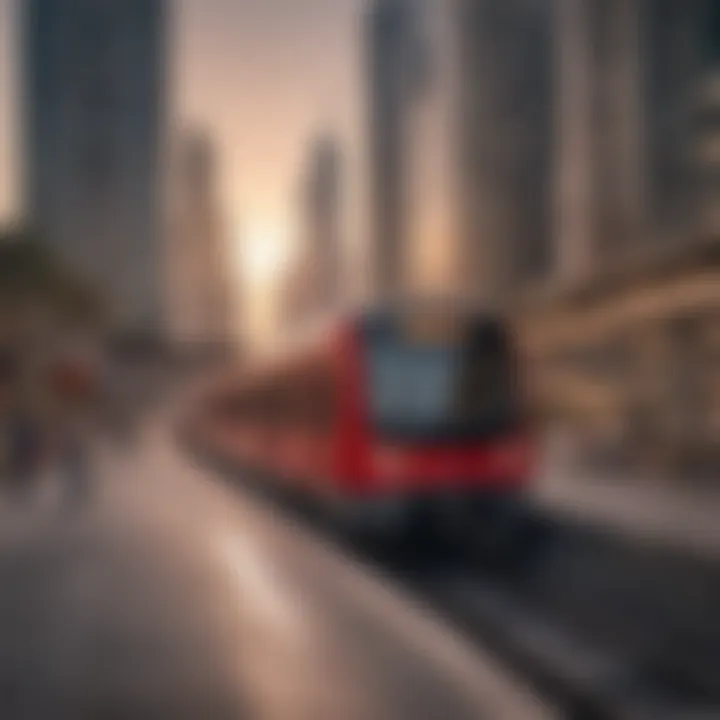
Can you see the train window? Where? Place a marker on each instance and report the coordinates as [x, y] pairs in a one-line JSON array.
[[442, 390], [323, 407], [301, 397], [231, 408], [285, 386], [273, 404], [252, 404], [317, 397], [488, 394]]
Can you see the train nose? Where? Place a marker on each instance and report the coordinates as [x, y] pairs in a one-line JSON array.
[[390, 467]]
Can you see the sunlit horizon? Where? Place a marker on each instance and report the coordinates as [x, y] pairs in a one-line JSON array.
[[265, 251], [259, 84]]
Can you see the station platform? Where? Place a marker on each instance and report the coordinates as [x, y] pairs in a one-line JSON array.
[[673, 514]]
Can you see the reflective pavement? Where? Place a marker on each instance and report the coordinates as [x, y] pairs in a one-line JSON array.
[[167, 594]]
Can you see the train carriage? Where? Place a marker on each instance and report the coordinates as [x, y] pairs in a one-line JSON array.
[[388, 415]]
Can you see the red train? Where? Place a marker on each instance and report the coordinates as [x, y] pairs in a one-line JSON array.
[[389, 416]]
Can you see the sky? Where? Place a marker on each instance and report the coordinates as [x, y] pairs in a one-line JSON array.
[[8, 198], [262, 77], [266, 75]]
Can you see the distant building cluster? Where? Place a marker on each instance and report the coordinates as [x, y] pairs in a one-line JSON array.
[[533, 139], [314, 284], [198, 280], [559, 160], [461, 131], [98, 128]]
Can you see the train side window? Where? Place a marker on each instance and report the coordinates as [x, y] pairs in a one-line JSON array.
[[320, 397], [233, 408], [297, 400], [284, 399], [251, 405], [273, 402]]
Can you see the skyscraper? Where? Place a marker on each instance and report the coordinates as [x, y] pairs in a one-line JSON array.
[[432, 201], [682, 55], [323, 221], [198, 281], [504, 148], [707, 169], [630, 77], [389, 55], [94, 117], [463, 162], [314, 283]]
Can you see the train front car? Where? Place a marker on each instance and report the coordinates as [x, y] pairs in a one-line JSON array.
[[434, 431]]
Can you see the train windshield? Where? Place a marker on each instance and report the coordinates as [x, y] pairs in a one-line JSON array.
[[441, 389]]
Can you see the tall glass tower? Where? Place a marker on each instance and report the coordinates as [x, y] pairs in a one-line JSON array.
[[94, 122]]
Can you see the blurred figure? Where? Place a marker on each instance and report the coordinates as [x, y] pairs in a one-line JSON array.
[[21, 436], [76, 467], [118, 418], [75, 381]]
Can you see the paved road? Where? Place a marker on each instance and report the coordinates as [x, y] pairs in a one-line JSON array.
[[168, 595]]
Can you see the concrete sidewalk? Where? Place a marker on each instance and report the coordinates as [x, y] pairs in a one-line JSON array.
[[649, 509]]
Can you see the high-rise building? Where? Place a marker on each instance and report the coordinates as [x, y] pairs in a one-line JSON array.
[[504, 148], [314, 284], [630, 75], [707, 152], [682, 52], [199, 302], [94, 119], [323, 222], [707, 121], [629, 347], [390, 37], [475, 147], [431, 225]]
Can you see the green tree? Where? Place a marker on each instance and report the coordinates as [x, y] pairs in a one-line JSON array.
[[34, 281]]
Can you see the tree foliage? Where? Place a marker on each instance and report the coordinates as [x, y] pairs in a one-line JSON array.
[[32, 276]]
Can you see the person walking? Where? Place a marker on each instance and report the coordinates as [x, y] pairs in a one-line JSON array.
[[74, 389], [21, 437]]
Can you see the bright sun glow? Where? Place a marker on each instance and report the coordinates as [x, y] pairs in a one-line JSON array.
[[266, 257], [265, 253]]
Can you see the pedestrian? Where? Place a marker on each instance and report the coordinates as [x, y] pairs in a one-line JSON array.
[[25, 452], [76, 465], [74, 386], [22, 437]]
